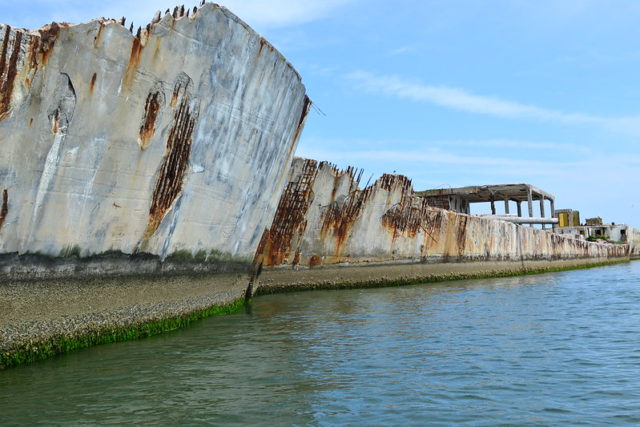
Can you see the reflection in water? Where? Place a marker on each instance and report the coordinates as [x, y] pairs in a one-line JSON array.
[[547, 349]]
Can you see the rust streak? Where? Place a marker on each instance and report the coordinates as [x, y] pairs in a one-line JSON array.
[[290, 217], [5, 207], [340, 217], [96, 39], [151, 109], [172, 172], [93, 83], [48, 36], [8, 71], [134, 60]]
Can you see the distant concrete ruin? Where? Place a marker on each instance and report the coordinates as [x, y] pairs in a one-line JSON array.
[[459, 200]]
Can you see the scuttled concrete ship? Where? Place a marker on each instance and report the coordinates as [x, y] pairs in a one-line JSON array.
[[175, 138], [169, 151]]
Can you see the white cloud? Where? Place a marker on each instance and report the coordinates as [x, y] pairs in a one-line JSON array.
[[460, 99], [260, 14], [282, 13]]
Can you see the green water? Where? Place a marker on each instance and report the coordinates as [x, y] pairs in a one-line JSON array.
[[552, 349]]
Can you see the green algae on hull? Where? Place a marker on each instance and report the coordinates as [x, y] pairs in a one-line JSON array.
[[60, 344], [434, 278]]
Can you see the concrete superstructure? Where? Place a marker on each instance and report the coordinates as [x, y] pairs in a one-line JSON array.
[[460, 199]]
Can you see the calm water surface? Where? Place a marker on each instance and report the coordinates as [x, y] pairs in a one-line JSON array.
[[553, 349]]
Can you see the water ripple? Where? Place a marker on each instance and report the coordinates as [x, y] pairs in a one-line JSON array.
[[537, 350]]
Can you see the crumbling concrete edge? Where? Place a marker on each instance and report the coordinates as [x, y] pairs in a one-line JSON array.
[[348, 277]]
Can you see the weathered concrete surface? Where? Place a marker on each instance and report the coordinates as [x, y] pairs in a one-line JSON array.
[[176, 139], [324, 218], [633, 238]]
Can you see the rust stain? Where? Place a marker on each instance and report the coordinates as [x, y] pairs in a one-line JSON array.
[[55, 121], [407, 219], [93, 83], [8, 70], [461, 235], [290, 216], [96, 39], [134, 60], [151, 110], [5, 207], [303, 117], [340, 216], [34, 50], [263, 44], [175, 164], [31, 122], [48, 36], [314, 261]]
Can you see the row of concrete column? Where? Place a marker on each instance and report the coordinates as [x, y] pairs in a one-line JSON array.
[[530, 206]]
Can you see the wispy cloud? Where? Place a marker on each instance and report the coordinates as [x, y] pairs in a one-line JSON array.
[[403, 50], [260, 14], [462, 100], [282, 13]]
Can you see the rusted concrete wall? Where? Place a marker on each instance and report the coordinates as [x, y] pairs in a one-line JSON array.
[[176, 137], [633, 237], [324, 218]]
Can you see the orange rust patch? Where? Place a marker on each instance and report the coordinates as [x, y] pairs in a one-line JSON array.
[[263, 43], [48, 36], [93, 83], [461, 236], [8, 70], [134, 60], [151, 110], [96, 39], [172, 172], [5, 207], [290, 217], [314, 261], [33, 50], [55, 125]]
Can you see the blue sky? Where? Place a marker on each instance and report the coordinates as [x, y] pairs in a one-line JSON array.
[[452, 93]]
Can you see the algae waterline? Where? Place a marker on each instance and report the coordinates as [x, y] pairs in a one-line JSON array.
[[381, 275], [60, 344], [127, 324]]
